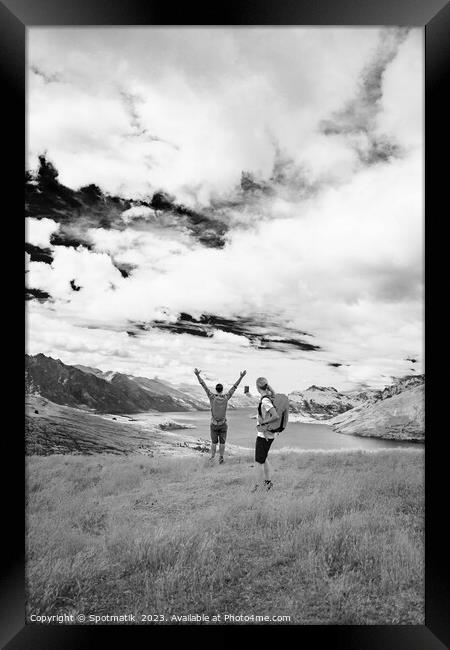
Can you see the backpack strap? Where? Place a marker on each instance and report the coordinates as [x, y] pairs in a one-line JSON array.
[[260, 403]]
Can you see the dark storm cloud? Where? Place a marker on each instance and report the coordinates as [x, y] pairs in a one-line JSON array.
[[125, 272], [209, 231], [78, 210], [38, 254], [261, 334], [36, 294], [64, 238]]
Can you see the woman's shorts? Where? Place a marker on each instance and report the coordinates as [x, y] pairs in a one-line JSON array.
[[262, 449], [219, 433]]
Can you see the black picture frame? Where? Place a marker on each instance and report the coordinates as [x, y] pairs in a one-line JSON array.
[[434, 16]]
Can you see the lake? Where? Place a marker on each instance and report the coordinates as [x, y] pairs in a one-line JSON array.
[[242, 432]]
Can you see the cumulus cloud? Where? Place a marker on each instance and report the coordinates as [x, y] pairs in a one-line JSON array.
[[39, 231], [321, 239], [201, 101], [93, 272]]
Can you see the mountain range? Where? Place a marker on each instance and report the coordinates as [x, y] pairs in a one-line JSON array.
[[323, 403], [112, 392], [396, 412], [102, 392]]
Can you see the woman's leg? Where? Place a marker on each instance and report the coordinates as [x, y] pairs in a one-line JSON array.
[[267, 471], [259, 473], [259, 459], [263, 469]]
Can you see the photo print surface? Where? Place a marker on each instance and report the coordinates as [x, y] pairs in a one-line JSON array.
[[224, 295]]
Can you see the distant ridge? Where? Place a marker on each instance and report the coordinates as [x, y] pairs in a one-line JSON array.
[[90, 388], [394, 412], [326, 403]]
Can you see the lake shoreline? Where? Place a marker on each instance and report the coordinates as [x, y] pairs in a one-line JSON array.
[[192, 427]]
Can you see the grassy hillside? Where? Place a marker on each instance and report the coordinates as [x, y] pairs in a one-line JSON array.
[[54, 429], [338, 541]]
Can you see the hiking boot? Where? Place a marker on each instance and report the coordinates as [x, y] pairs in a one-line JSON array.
[[221, 460], [212, 459], [268, 485]]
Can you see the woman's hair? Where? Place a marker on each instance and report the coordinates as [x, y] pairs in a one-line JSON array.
[[263, 384]]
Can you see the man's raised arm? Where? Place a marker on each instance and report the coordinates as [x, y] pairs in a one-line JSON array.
[[236, 384], [201, 382]]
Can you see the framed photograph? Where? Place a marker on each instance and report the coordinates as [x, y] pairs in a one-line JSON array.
[[225, 403]]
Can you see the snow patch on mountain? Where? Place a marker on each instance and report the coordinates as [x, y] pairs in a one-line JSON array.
[[325, 402]]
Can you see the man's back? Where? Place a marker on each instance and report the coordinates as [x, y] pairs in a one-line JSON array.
[[219, 403], [219, 400]]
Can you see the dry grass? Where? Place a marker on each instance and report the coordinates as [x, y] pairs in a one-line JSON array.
[[338, 541]]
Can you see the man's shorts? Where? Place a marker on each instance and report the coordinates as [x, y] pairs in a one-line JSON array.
[[262, 449], [219, 433]]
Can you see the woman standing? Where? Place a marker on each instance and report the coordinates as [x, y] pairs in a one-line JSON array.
[[264, 438]]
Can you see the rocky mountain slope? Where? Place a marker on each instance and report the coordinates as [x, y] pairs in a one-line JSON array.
[[185, 400], [401, 384], [114, 392], [398, 415], [92, 389], [323, 403]]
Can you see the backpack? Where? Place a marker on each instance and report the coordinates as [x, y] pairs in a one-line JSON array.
[[281, 405], [219, 405]]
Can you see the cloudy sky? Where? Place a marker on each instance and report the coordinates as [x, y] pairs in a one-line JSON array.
[[314, 272]]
